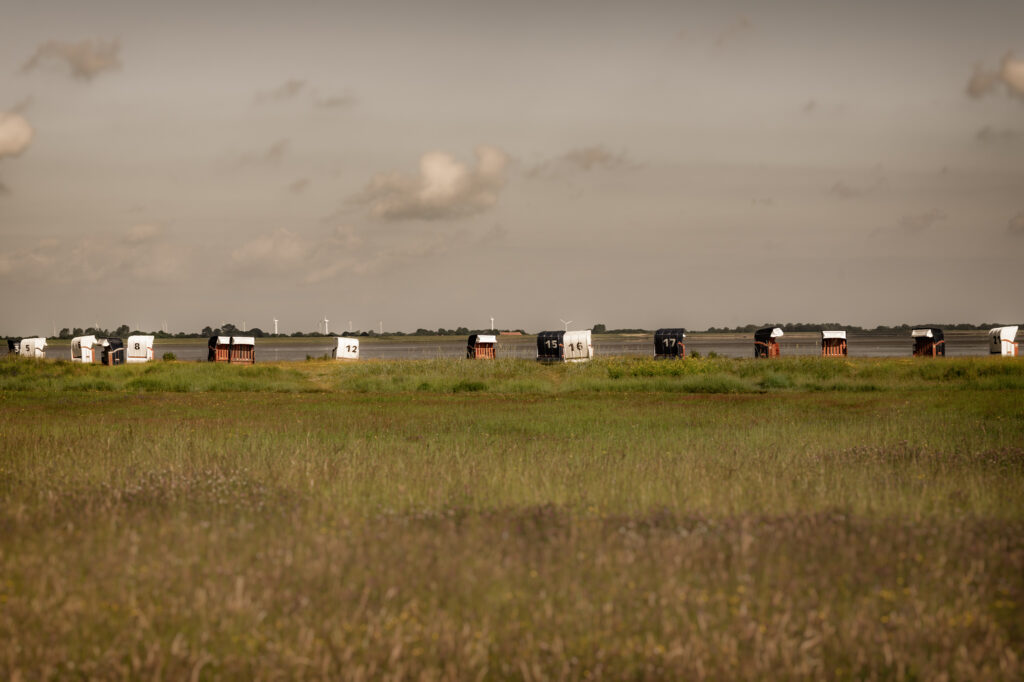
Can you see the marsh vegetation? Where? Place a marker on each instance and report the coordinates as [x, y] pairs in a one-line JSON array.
[[710, 518]]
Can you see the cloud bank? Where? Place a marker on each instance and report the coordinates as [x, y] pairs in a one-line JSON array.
[[15, 134], [1010, 75], [271, 156], [739, 26], [443, 188], [292, 88], [988, 134], [143, 234], [287, 90], [85, 59], [41, 256], [277, 252], [584, 159], [919, 222], [599, 156], [345, 101], [141, 253], [845, 190], [312, 257]]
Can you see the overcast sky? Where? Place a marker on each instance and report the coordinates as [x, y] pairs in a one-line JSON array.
[[432, 164]]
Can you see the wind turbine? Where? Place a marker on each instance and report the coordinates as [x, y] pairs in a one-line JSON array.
[[566, 323], [327, 331], [275, 326], [492, 324]]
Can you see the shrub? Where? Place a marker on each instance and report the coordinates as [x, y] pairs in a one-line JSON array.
[[169, 357]]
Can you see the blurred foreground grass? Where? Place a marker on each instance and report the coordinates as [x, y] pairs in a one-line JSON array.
[[724, 519]]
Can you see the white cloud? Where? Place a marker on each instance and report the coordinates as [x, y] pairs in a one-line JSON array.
[[278, 252], [733, 31], [273, 155], [919, 222], [139, 253], [40, 256], [292, 88], [988, 134], [352, 251], [599, 156], [276, 152], [287, 90], [846, 191], [22, 106], [444, 188], [308, 259], [141, 234], [345, 101], [348, 250], [1010, 74], [86, 59], [582, 159], [982, 81], [15, 134]]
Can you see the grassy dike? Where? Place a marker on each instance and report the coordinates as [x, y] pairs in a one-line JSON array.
[[444, 519]]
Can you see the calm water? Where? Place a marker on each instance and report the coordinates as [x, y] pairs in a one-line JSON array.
[[958, 344]]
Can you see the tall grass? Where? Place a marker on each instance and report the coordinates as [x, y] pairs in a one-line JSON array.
[[61, 375], [900, 454], [516, 376], [719, 519]]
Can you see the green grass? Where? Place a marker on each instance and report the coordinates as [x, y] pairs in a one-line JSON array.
[[443, 519], [623, 375], [157, 377]]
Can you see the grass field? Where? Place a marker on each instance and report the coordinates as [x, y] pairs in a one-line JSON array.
[[442, 519]]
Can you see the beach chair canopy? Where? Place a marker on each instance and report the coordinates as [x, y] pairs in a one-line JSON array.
[[34, 347], [113, 351], [767, 334], [1001, 340], [1004, 333], [140, 348], [577, 345], [669, 341], [80, 342], [482, 338], [550, 344], [928, 333], [347, 349]]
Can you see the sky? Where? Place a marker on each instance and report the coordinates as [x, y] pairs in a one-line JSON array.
[[436, 164]]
